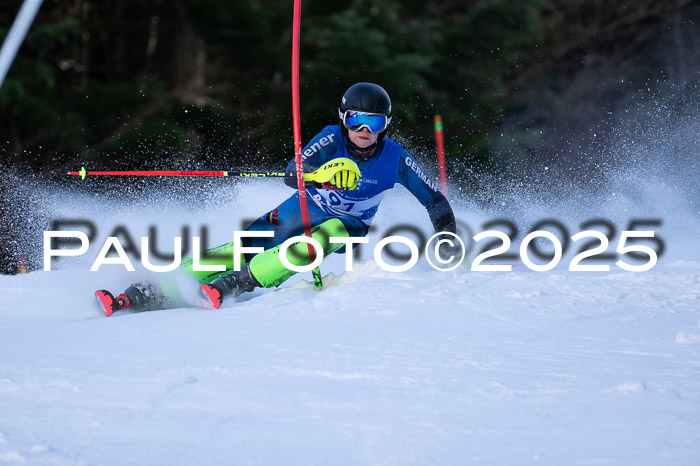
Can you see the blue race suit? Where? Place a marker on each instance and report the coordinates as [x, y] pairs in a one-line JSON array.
[[390, 164]]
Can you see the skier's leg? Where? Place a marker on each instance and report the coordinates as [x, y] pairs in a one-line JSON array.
[[267, 270], [267, 267], [163, 292], [285, 221], [222, 255], [147, 296]]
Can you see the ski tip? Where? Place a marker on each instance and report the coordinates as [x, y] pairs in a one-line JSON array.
[[212, 295], [106, 301]]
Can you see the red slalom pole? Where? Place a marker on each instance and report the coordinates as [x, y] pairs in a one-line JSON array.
[[296, 118], [440, 154]]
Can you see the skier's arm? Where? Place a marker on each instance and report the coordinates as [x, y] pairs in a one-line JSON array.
[[413, 178], [336, 174], [290, 178], [319, 150], [332, 173]]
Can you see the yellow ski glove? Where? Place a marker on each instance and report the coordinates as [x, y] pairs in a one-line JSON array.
[[340, 173], [344, 179]]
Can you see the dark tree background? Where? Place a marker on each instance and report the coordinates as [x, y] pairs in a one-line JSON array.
[[168, 84], [155, 83]]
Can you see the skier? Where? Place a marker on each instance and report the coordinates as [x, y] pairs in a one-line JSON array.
[[357, 163]]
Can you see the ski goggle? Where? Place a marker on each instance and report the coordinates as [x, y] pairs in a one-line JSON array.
[[374, 122]]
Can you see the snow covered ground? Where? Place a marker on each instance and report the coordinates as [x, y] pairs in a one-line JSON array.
[[420, 367]]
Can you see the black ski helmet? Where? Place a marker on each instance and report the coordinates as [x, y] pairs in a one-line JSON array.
[[368, 98]]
